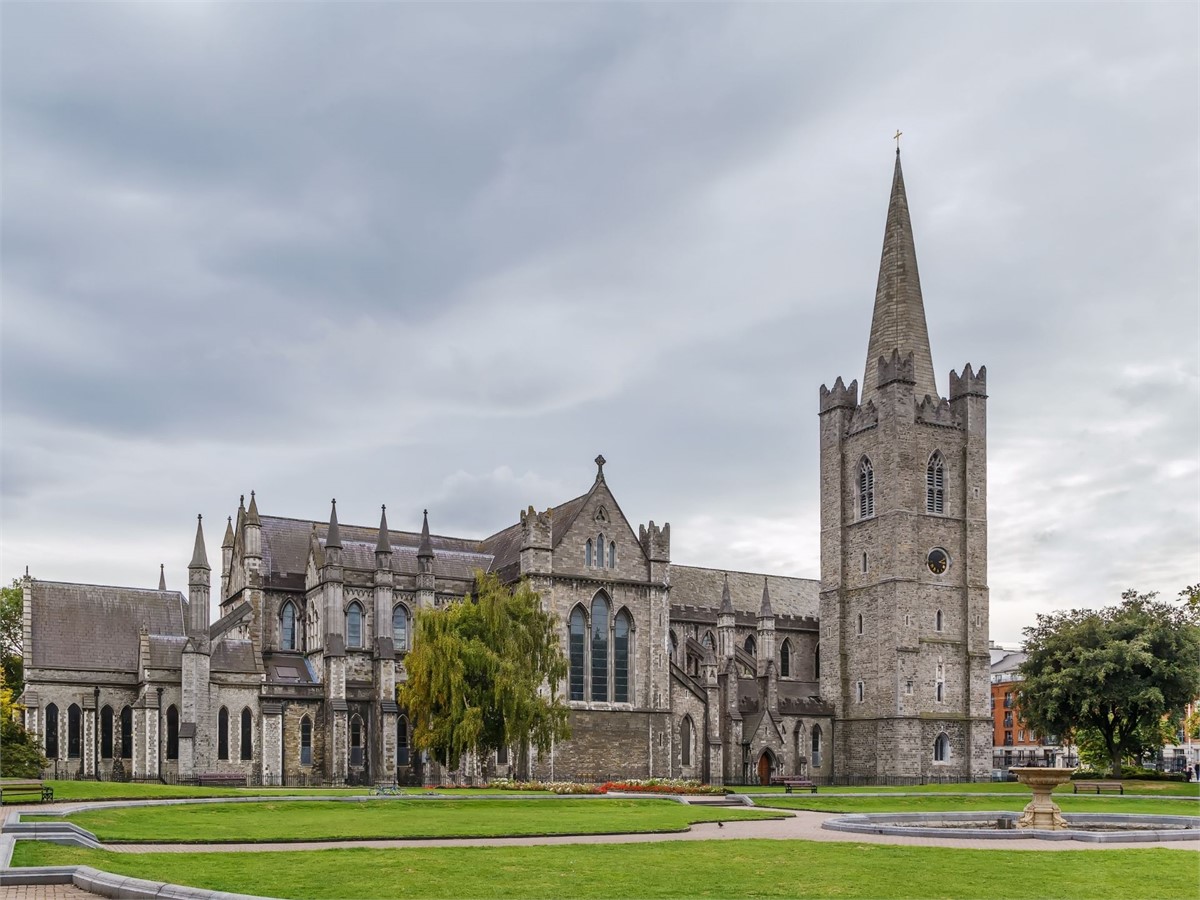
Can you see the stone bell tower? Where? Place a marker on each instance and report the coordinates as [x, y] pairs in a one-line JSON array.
[[904, 597]]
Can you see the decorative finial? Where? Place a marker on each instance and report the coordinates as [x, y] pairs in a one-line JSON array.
[[896, 138], [600, 461], [383, 506]]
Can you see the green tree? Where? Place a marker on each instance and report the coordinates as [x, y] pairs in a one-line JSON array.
[[484, 673], [1116, 672], [20, 752], [11, 633]]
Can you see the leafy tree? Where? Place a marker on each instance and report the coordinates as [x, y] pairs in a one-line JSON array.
[[1116, 671], [11, 633], [20, 753], [484, 673]]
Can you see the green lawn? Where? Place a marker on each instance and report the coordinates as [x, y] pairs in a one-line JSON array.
[[950, 803], [376, 819], [1172, 788], [671, 869], [120, 790]]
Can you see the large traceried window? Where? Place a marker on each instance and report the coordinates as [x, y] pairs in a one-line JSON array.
[[866, 489], [51, 729], [106, 732], [400, 626], [935, 484], [247, 734], [578, 632], [621, 629], [354, 626], [599, 648], [172, 732], [287, 626], [223, 733], [306, 741]]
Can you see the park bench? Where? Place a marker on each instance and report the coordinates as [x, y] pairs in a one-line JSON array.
[[789, 782], [386, 790], [221, 780], [1098, 786], [29, 788]]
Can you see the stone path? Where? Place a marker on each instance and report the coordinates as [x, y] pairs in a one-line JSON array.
[[44, 892]]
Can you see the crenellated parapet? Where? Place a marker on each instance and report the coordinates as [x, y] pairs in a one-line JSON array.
[[938, 411], [839, 396], [969, 384], [655, 541], [896, 369]]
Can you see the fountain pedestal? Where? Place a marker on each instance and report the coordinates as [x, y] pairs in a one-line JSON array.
[[1042, 812]]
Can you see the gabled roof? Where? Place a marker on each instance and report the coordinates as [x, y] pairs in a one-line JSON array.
[[694, 586], [93, 626]]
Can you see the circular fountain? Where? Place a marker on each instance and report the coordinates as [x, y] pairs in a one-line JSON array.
[[1041, 820]]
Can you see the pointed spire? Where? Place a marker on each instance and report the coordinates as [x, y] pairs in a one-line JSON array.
[[333, 537], [162, 577], [425, 550], [898, 322], [764, 611], [199, 554], [252, 512], [227, 543], [384, 544], [726, 599]]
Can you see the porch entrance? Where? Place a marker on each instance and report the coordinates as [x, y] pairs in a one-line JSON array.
[[766, 767]]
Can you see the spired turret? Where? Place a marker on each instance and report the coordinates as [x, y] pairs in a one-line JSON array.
[[199, 584], [726, 623], [426, 563]]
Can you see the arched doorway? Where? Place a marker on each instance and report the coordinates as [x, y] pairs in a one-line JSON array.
[[766, 767]]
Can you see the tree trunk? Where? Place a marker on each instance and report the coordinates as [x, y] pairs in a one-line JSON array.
[[1116, 761]]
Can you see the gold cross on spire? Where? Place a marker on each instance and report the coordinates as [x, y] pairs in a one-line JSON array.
[[896, 137]]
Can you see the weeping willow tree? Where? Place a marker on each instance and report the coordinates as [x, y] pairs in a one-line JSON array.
[[484, 673]]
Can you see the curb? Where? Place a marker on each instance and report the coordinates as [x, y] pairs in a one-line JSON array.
[[106, 884]]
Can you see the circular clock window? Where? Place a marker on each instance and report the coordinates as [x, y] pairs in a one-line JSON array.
[[937, 560]]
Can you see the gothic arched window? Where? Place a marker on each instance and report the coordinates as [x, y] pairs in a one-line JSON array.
[[935, 484], [400, 626], [74, 720], [937, 621], [866, 489], [674, 644], [106, 732], [576, 639], [172, 732], [287, 626], [860, 623], [751, 645], [612, 554], [306, 741], [247, 734], [599, 648], [621, 629], [402, 757], [785, 659], [816, 746], [223, 734], [51, 729], [356, 741], [708, 641], [126, 733], [685, 741], [941, 748], [588, 552], [354, 626]]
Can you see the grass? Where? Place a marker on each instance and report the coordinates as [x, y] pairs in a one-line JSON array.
[[660, 870], [967, 803], [121, 790], [379, 819], [1155, 788]]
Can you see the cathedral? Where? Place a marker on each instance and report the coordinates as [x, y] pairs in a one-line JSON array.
[[877, 672]]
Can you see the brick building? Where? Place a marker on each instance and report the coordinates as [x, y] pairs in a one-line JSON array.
[[879, 670]]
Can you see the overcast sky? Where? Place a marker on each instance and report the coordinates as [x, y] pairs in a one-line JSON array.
[[443, 255]]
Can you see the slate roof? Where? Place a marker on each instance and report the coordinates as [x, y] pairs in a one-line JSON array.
[[694, 586], [234, 655], [505, 545], [285, 549], [91, 626]]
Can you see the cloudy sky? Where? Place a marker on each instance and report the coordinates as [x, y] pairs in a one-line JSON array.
[[441, 256]]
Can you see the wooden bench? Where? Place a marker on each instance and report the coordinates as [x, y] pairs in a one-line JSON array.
[[221, 780], [1098, 786], [37, 791], [790, 782]]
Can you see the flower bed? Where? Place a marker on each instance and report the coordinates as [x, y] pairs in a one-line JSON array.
[[661, 786], [554, 787]]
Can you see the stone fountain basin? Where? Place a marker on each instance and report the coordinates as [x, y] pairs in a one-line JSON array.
[[1097, 828]]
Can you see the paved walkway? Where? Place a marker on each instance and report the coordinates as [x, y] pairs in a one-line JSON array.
[[44, 892]]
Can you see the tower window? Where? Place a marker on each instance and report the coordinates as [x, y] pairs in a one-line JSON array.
[[937, 621], [935, 484], [861, 691], [866, 489], [860, 623], [864, 563], [941, 748]]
